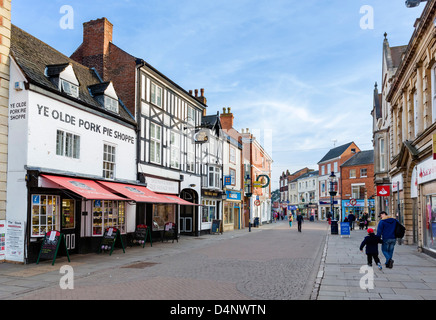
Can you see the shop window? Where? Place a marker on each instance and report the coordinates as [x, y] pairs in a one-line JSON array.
[[229, 212], [45, 214], [68, 221], [67, 144], [106, 214], [108, 161], [163, 213], [155, 143], [208, 211]]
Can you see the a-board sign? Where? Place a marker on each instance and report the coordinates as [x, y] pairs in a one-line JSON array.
[[50, 246], [111, 237], [142, 232], [216, 226], [345, 229], [170, 231]]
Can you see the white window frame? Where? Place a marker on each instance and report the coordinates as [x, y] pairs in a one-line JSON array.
[[42, 211], [109, 160], [175, 150], [69, 88], [232, 155], [190, 155], [67, 144], [110, 104], [156, 94], [352, 173], [433, 93], [363, 173], [155, 143]]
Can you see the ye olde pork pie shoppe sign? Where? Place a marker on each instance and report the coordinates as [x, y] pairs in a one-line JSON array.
[[82, 123]]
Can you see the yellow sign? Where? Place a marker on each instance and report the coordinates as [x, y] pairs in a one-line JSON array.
[[434, 146]]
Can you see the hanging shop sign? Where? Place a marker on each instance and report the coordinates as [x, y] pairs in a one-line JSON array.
[[259, 183], [233, 195], [383, 191], [227, 180], [201, 136], [257, 203], [353, 202]]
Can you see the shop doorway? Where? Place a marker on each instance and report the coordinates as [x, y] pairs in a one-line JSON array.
[[70, 223], [188, 213]]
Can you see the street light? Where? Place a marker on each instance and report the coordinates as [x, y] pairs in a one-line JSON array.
[[413, 3], [333, 189], [248, 194]]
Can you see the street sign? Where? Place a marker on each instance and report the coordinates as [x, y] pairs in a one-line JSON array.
[[257, 202], [353, 202]]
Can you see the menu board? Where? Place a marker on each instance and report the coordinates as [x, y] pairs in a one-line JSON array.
[[216, 226], [110, 237], [2, 240], [142, 232], [50, 246]]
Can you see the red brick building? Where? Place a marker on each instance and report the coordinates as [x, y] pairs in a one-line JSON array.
[[357, 184]]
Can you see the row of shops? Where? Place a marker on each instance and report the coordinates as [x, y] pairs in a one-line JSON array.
[[73, 163]]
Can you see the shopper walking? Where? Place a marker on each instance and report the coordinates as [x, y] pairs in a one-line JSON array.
[[290, 219], [386, 230], [299, 221], [371, 242], [351, 219]]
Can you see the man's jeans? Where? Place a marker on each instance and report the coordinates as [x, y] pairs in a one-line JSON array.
[[388, 248]]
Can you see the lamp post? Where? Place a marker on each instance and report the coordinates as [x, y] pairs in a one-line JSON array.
[[248, 194], [333, 188]]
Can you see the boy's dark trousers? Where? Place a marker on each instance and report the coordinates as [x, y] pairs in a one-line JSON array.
[[371, 256]]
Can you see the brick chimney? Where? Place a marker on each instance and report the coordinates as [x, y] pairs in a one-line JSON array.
[[226, 119], [94, 50]]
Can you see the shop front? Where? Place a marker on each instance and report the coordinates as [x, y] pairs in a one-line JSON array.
[[79, 208], [358, 208], [325, 208], [232, 210], [426, 183], [211, 209]]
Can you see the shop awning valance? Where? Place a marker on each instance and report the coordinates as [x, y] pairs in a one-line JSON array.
[[88, 189], [170, 198], [134, 192]]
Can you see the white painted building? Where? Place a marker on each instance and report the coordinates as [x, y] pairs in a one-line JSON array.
[[67, 133]]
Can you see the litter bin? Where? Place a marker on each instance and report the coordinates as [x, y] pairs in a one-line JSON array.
[[334, 227], [256, 222]]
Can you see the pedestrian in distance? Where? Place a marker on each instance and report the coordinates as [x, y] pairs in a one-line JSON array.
[[351, 219], [329, 217], [386, 230], [366, 220], [299, 221], [290, 219], [371, 242]]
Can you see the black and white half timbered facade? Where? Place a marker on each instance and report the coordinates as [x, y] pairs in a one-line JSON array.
[[168, 155]]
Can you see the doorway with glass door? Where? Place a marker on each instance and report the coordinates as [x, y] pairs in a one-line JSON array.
[[69, 223]]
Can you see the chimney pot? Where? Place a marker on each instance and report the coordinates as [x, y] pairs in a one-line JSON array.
[[196, 92], [202, 92], [190, 92], [224, 110], [228, 110]]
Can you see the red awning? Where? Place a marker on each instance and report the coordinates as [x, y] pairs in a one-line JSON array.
[[135, 192], [177, 200], [89, 189]]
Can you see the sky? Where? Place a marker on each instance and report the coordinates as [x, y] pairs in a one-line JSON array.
[[300, 74]]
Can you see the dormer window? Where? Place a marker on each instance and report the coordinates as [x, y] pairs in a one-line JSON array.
[[105, 95], [69, 88], [64, 78], [111, 104]]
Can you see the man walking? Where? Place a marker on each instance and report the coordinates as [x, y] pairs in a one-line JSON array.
[[351, 219], [386, 230], [299, 221]]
